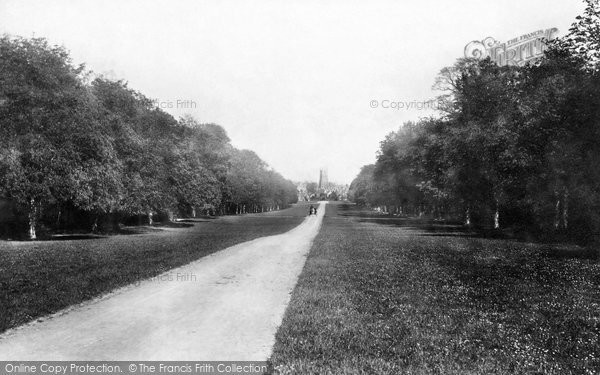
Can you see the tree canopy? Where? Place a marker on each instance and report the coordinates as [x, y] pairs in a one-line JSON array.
[[513, 146], [69, 141]]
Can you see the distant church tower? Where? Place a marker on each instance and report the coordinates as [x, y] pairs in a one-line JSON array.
[[323, 181]]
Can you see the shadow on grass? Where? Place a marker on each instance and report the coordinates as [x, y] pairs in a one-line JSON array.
[[555, 247], [430, 227], [130, 230], [572, 252], [198, 219], [70, 237], [173, 224]]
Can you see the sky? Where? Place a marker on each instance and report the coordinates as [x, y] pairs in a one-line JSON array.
[[305, 84]]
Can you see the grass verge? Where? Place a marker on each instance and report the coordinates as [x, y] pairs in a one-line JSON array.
[[381, 297], [41, 277]]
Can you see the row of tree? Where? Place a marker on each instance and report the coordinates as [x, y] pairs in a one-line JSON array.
[[97, 150], [514, 146]]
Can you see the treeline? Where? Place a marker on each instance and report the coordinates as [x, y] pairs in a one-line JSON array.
[[514, 147], [77, 151]]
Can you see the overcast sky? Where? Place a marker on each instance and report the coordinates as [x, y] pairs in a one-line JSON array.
[[291, 80]]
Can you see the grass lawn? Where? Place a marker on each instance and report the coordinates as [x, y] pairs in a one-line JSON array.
[[41, 277], [378, 296]]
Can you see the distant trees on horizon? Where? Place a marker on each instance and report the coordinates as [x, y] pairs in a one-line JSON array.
[[100, 151]]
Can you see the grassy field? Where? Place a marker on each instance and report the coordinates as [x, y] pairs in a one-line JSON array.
[[384, 296], [42, 277]]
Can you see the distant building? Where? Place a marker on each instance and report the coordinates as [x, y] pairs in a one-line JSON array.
[[323, 180], [323, 190]]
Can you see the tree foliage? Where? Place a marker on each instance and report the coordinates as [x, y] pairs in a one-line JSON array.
[[102, 149], [515, 146]]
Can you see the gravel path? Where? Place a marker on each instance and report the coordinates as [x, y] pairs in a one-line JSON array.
[[226, 306]]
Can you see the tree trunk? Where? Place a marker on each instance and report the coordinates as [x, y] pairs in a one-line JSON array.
[[497, 216], [468, 217], [116, 221], [32, 220], [95, 224], [58, 218], [565, 208], [557, 212], [497, 219], [193, 212]]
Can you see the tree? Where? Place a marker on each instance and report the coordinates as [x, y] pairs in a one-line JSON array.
[[105, 151], [311, 189], [582, 44], [52, 151], [362, 187], [519, 140]]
